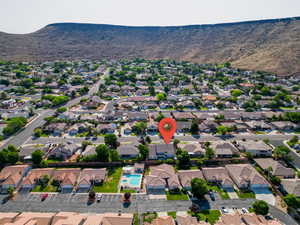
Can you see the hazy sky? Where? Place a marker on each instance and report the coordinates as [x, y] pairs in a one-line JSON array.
[[24, 16]]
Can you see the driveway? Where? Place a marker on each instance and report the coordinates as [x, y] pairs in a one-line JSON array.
[[264, 194]]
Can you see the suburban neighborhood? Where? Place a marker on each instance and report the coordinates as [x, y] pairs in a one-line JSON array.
[[80, 143]]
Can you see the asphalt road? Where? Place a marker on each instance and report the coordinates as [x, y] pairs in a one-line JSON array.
[[113, 203]]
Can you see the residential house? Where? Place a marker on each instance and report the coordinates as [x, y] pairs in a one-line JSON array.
[[137, 116], [56, 129], [183, 116], [258, 125], [224, 149], [186, 177], [89, 150], [208, 126], [68, 116], [161, 151], [284, 125], [162, 220], [193, 148], [91, 177], [63, 150], [66, 178], [11, 176], [246, 177], [128, 151], [218, 176], [256, 148], [291, 186], [139, 168], [152, 127], [189, 220], [127, 129], [278, 169], [161, 177], [33, 177], [106, 128], [183, 126]]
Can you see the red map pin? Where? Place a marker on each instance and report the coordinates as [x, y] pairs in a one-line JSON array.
[[167, 128]]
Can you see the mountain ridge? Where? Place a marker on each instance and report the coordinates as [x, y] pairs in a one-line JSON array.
[[272, 45]]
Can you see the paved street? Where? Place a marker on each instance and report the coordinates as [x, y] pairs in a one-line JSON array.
[[113, 203]]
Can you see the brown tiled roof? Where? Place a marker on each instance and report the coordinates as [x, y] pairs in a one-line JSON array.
[[36, 174], [292, 186], [186, 176], [92, 174], [163, 220], [242, 174], [67, 176], [277, 168], [217, 174]]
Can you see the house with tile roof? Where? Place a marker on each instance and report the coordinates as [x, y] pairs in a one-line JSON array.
[[11, 176], [256, 148], [67, 178], [186, 177], [291, 186], [33, 177], [246, 177], [162, 220], [278, 169], [161, 177], [90, 177], [193, 148], [218, 176]]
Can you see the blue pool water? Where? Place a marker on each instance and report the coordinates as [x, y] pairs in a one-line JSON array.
[[134, 179]]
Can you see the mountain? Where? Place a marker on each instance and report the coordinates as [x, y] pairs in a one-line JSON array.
[[271, 45]]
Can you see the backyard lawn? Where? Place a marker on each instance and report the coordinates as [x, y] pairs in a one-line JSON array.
[[223, 193], [148, 217], [128, 190], [244, 194], [210, 216], [177, 196], [111, 183]]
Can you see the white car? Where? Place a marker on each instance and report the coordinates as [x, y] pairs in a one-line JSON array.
[[224, 210], [244, 210], [99, 197]]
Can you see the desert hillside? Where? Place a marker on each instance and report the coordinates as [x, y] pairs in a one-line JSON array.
[[272, 45]]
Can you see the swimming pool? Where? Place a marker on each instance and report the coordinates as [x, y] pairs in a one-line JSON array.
[[132, 180]]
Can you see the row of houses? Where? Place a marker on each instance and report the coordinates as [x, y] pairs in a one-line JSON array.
[[25, 178], [66, 218], [244, 176], [225, 219]]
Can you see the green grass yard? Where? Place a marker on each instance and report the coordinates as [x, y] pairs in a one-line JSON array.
[[177, 196], [173, 214], [111, 183], [245, 194], [223, 193], [48, 188], [211, 216]]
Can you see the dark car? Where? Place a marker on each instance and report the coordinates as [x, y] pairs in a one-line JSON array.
[[43, 197], [212, 196]]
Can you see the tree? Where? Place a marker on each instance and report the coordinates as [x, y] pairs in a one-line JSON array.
[[236, 92], [102, 152], [14, 125], [175, 143], [61, 109], [209, 153], [10, 191], [275, 180], [161, 96], [260, 207], [222, 130], [151, 90], [199, 187], [127, 196], [184, 159], [111, 140], [292, 201], [281, 152], [114, 155], [144, 151], [140, 128], [38, 132], [294, 140], [37, 156], [159, 117], [194, 127]]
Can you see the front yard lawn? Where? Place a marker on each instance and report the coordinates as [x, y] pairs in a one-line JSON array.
[[210, 216], [245, 194], [148, 217], [111, 183], [128, 190], [173, 214], [48, 188], [223, 193], [177, 196]]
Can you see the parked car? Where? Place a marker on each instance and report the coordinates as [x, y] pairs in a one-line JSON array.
[[224, 210], [43, 197], [244, 210], [99, 197], [212, 196]]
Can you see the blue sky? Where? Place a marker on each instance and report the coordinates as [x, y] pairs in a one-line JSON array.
[[24, 16]]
